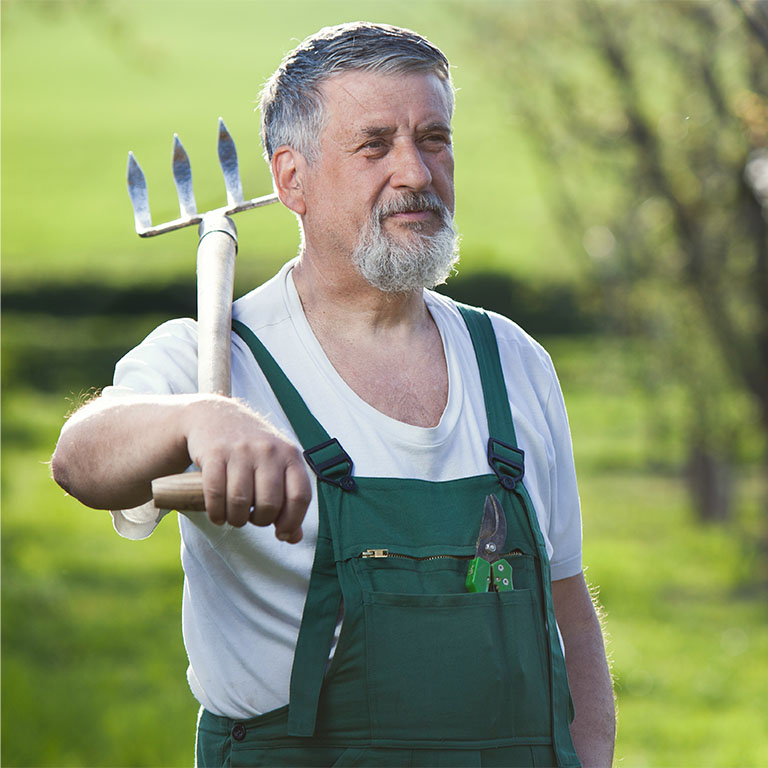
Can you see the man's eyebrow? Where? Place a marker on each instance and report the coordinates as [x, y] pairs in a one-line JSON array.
[[374, 131], [436, 126]]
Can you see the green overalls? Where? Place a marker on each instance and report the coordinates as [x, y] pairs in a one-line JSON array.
[[425, 673]]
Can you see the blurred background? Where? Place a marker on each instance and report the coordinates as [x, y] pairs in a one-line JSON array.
[[612, 193]]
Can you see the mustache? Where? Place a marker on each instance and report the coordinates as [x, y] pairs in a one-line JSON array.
[[409, 202]]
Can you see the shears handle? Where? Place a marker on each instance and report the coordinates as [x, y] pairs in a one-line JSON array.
[[483, 576], [478, 575], [501, 575]]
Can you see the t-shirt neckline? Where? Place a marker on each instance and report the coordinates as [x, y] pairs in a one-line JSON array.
[[400, 430]]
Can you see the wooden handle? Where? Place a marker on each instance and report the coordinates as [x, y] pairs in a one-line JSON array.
[[179, 492], [215, 282]]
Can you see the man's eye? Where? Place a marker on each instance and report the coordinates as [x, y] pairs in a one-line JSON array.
[[374, 145]]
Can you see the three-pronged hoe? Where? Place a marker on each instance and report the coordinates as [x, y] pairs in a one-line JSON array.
[[182, 176]]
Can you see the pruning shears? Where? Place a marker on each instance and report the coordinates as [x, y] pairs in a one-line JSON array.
[[488, 571]]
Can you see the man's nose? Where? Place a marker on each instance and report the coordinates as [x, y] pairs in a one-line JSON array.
[[409, 169]]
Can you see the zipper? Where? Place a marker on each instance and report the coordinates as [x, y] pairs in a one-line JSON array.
[[384, 553]]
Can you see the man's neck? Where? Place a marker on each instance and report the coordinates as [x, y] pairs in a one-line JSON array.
[[386, 347], [343, 298]]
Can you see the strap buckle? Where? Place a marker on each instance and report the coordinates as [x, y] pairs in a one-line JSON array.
[[332, 464], [507, 462]]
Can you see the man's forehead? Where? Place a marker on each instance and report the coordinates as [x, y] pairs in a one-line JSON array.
[[367, 101]]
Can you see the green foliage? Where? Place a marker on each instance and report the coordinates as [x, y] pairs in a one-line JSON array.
[[645, 120], [540, 309]]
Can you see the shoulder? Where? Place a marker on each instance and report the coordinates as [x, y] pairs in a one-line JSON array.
[[512, 339], [172, 338], [266, 305], [515, 345], [180, 331], [165, 362]]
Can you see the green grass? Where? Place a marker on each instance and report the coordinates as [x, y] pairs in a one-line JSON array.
[[93, 661], [687, 625], [689, 643]]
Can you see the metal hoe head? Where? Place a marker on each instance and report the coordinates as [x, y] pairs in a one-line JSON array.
[[182, 176]]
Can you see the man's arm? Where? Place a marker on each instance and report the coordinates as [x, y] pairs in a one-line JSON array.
[[594, 727], [110, 451]]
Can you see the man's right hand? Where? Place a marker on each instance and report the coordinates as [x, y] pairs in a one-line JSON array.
[[251, 473], [110, 451]]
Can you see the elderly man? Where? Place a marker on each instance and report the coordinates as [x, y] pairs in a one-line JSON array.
[[371, 424]]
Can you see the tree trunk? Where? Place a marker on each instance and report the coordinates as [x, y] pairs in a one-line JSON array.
[[710, 480]]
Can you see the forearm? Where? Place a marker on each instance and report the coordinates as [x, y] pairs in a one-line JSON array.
[[594, 727], [110, 451]]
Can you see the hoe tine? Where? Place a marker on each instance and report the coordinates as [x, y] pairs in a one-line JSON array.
[[228, 160], [182, 175], [137, 189]]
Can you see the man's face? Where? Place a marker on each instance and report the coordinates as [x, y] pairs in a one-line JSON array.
[[385, 150]]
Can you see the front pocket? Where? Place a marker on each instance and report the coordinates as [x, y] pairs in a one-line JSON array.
[[456, 667], [387, 570]]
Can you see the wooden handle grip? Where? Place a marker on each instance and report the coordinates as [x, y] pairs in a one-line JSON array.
[[179, 492]]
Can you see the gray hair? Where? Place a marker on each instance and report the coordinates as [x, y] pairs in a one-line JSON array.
[[292, 109]]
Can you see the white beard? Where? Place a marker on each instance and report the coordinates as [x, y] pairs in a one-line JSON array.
[[416, 261]]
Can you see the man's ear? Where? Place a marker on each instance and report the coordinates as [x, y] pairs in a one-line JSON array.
[[288, 168]]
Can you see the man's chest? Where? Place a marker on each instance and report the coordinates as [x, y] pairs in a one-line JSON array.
[[411, 388]]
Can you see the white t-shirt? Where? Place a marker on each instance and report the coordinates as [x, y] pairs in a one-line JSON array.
[[244, 590]]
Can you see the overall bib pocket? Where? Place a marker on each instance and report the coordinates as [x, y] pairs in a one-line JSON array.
[[428, 652]]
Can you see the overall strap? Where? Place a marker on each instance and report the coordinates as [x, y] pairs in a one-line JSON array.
[[328, 460], [323, 602], [307, 428], [491, 375], [507, 461], [504, 457]]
